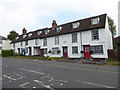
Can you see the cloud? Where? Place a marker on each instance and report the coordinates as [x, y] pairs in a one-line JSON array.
[[34, 14]]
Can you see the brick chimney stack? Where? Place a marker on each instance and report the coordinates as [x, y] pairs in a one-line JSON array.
[[54, 24], [24, 31]]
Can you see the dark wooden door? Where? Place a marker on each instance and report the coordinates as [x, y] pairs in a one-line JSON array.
[[65, 52]]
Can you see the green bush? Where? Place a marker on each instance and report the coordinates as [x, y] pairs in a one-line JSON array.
[[6, 53]]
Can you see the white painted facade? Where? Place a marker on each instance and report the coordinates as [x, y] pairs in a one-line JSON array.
[[65, 40], [119, 18]]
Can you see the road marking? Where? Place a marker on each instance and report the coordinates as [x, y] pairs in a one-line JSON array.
[[90, 83], [24, 84], [9, 77], [31, 71]]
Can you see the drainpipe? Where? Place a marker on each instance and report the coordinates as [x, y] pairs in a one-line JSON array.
[[81, 43]]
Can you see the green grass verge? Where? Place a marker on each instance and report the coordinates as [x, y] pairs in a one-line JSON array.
[[113, 62]]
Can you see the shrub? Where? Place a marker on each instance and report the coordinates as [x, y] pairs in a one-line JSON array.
[[6, 53], [49, 51], [58, 51], [49, 58]]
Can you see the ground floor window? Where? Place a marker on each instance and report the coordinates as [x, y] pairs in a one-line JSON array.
[[74, 49], [45, 51], [97, 49], [54, 50]]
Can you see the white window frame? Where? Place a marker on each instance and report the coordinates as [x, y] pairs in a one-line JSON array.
[[76, 25], [74, 37], [97, 49], [58, 28], [45, 42], [95, 20], [73, 48], [56, 40], [36, 41], [39, 32], [54, 50], [95, 34]]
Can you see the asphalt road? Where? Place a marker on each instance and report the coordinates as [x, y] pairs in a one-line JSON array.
[[21, 73]]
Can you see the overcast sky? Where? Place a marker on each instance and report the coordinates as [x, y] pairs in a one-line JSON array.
[[37, 14]]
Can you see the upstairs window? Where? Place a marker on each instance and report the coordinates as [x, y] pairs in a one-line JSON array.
[[26, 43], [58, 28], [24, 36], [45, 42], [74, 38], [0, 41], [21, 44], [47, 31], [30, 34], [95, 21], [76, 25], [95, 34], [17, 38], [36, 41], [56, 40], [39, 32]]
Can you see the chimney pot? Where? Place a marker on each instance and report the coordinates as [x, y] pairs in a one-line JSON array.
[[24, 31], [54, 24]]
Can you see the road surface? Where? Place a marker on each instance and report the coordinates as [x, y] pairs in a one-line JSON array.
[[24, 73]]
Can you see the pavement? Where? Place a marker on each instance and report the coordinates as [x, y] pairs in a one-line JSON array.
[[31, 73]]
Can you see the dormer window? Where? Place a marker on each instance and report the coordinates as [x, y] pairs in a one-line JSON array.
[[95, 20], [30, 34], [17, 38], [39, 32], [47, 31], [75, 25], [24, 36], [58, 28]]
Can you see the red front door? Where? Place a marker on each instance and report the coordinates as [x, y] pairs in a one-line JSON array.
[[86, 51], [65, 52], [42, 52]]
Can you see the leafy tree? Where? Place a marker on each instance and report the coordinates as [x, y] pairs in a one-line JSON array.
[[112, 26], [12, 35]]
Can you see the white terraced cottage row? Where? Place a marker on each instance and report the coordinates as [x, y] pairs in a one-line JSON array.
[[93, 42]]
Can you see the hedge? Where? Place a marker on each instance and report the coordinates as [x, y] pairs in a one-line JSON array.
[[6, 53]]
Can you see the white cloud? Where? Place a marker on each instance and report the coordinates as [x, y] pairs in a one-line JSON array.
[[16, 14]]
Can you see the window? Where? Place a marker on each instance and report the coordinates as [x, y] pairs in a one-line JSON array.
[[17, 38], [24, 36], [45, 51], [75, 50], [54, 50], [39, 32], [45, 42], [95, 35], [76, 25], [0, 48], [26, 43], [74, 37], [95, 20], [97, 49], [36, 41], [0, 41], [30, 34], [56, 40], [13, 45], [47, 31], [21, 44], [58, 28]]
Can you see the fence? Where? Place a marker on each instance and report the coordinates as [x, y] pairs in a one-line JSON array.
[[114, 54]]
